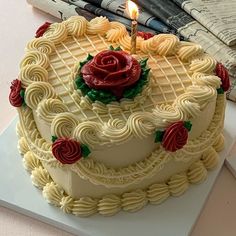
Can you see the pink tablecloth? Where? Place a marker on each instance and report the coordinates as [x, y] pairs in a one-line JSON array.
[[18, 22]]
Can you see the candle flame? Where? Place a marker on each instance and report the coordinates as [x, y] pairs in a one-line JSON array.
[[133, 10]]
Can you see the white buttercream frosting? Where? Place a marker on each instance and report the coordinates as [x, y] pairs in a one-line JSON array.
[[204, 79], [219, 143], [116, 32], [76, 25], [109, 205], [35, 58], [178, 184], [157, 193], [23, 146], [40, 177], [210, 158], [98, 25], [42, 45], [197, 172], [30, 162], [163, 44], [57, 32], [49, 108], [53, 193], [63, 125], [204, 64], [188, 50], [38, 91], [32, 73], [67, 204], [85, 206], [134, 201]]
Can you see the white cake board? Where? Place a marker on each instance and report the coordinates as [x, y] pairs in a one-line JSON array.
[[176, 216]]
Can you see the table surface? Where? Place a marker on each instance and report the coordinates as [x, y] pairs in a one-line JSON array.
[[18, 22]]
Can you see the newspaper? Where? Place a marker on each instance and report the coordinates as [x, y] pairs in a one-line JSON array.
[[218, 16], [119, 7]]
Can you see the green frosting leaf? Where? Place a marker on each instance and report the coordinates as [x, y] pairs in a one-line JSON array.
[[22, 95], [143, 63], [188, 125], [115, 49], [82, 63], [220, 90], [159, 136], [101, 95], [85, 150], [54, 138], [80, 84]]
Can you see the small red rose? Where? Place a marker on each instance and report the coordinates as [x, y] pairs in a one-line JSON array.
[[111, 70], [41, 30], [66, 150], [145, 35], [14, 97], [175, 137], [224, 76]]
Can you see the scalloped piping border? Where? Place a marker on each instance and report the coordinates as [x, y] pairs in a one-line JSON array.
[[132, 201]]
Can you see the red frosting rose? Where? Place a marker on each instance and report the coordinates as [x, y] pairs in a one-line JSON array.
[[14, 97], [224, 76], [41, 30], [175, 137], [67, 151], [111, 70], [145, 35]]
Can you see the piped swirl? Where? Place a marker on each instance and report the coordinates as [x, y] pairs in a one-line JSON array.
[[38, 91]]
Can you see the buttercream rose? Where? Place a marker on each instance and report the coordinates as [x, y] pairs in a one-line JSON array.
[[175, 137], [66, 150], [113, 71], [41, 30], [224, 76], [14, 97], [145, 35]]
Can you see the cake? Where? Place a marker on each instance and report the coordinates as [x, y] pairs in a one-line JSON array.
[[101, 130]]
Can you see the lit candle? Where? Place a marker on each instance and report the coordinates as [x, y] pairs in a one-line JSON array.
[[133, 12]]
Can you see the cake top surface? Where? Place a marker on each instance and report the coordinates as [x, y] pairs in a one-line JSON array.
[[180, 83]]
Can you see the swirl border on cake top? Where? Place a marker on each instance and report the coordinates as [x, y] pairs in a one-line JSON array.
[[189, 104]]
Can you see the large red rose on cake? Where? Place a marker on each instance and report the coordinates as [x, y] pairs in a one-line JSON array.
[[175, 137], [111, 70], [67, 151], [14, 97]]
